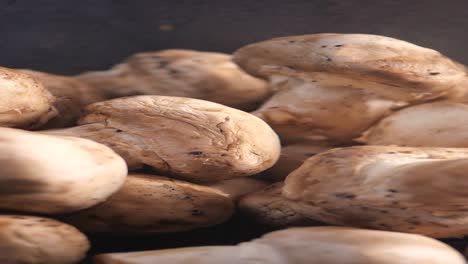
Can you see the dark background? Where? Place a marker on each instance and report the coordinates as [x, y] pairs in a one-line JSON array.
[[68, 37]]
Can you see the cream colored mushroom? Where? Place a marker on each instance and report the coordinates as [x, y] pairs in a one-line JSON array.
[[333, 87], [194, 139], [270, 208], [415, 190], [54, 174], [148, 204], [397, 69], [71, 96], [309, 245], [440, 124], [23, 101], [326, 111], [204, 75], [37, 240], [238, 187], [291, 158]]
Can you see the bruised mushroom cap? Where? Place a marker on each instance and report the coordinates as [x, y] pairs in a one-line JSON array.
[[306, 245], [441, 124], [71, 96], [327, 110], [415, 190], [24, 102], [148, 204], [35, 240], [55, 174], [270, 208], [194, 139], [205, 75], [404, 71]]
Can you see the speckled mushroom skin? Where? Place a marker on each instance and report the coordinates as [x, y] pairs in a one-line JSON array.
[[55, 174], [71, 97], [38, 240], [193, 139], [332, 87], [24, 102], [416, 190], [149, 204], [307, 245], [270, 208], [399, 69], [441, 124], [209, 76]]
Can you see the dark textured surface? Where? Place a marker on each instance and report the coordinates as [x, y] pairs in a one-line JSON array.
[[69, 36]]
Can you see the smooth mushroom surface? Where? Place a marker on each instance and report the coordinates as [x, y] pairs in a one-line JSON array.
[[270, 208], [414, 190], [306, 245], [329, 110], [71, 97], [209, 76], [441, 124], [55, 174], [24, 102], [149, 204], [192, 139], [400, 70], [291, 158], [38, 240]]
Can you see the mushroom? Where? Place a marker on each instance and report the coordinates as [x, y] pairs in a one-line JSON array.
[[268, 207], [204, 75], [55, 174], [333, 87], [238, 187], [24, 102], [291, 158], [193, 139], [441, 124], [324, 112], [71, 97], [36, 240], [396, 69], [149, 204], [306, 245], [414, 190]]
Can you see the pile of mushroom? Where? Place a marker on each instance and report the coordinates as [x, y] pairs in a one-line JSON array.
[[373, 139]]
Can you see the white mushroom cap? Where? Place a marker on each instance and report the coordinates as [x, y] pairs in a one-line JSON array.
[[440, 124], [404, 71], [194, 139], [37, 240], [204, 75], [148, 204], [71, 97], [55, 174], [310, 245], [23, 101], [416, 190]]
